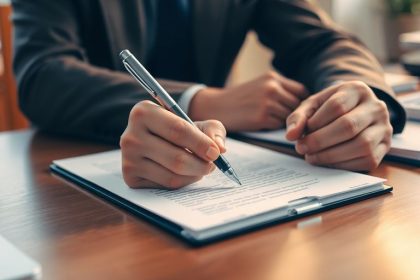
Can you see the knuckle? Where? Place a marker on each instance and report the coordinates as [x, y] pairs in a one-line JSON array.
[[127, 141], [179, 163], [366, 144], [383, 110], [372, 161], [123, 140], [271, 88], [216, 124], [270, 75], [382, 105], [338, 106], [350, 125], [358, 85], [389, 131], [139, 111], [387, 138], [178, 130]]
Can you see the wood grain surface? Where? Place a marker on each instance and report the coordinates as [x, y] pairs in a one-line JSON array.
[[75, 235]]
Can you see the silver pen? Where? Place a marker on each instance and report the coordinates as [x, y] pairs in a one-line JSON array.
[[136, 69]]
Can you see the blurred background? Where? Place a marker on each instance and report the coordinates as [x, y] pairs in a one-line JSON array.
[[377, 23]]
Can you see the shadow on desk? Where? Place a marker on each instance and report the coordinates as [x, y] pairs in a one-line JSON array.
[[76, 237]]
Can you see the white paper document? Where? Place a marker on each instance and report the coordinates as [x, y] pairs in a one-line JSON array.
[[405, 145], [270, 181]]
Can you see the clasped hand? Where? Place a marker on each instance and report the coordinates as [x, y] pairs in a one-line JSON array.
[[345, 126]]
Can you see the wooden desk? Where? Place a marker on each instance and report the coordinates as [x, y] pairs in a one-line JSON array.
[[77, 236]]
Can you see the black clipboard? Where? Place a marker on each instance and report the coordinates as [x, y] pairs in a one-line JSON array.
[[178, 231]]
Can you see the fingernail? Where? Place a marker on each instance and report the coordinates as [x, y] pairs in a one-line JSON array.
[[302, 149], [220, 141], [290, 127], [212, 153]]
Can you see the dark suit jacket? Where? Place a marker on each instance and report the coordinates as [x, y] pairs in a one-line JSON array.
[[71, 81]]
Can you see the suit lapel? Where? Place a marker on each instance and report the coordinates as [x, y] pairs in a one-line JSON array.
[[209, 20], [125, 23]]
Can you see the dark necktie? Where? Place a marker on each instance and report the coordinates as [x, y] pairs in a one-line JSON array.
[[171, 54]]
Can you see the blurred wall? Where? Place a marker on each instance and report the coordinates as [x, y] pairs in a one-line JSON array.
[[365, 18]]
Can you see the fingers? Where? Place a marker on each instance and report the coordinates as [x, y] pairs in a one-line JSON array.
[[287, 98], [176, 159], [215, 130], [364, 163], [363, 146], [155, 173], [278, 110], [180, 133], [349, 130], [347, 97], [294, 87], [297, 122], [340, 130], [157, 154], [285, 91], [337, 105]]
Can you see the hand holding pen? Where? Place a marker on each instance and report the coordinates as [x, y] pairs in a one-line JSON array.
[[164, 149]]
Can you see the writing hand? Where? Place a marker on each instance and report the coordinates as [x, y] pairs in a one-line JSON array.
[[345, 126], [159, 149]]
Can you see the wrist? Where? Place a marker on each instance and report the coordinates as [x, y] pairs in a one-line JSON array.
[[202, 104], [186, 97]]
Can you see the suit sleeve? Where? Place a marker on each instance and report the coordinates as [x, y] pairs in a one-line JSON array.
[[59, 91], [311, 49]]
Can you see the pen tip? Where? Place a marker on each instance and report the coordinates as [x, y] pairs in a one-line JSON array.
[[233, 176], [238, 181]]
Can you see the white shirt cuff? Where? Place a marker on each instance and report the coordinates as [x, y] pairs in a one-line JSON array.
[[186, 97]]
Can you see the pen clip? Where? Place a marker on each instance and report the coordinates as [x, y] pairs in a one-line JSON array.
[[140, 80]]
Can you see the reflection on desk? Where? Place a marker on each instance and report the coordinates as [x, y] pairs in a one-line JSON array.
[[76, 236]]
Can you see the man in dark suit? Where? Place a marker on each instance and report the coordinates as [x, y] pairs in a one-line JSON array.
[[72, 82]]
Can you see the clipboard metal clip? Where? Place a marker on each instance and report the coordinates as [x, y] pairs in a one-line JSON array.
[[303, 205]]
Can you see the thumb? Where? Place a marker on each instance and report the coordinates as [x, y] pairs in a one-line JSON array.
[[297, 121], [215, 130]]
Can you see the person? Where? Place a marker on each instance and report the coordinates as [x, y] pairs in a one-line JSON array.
[[328, 90]]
